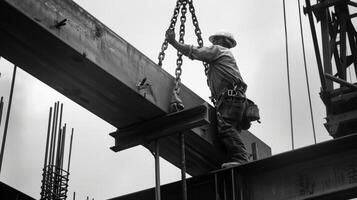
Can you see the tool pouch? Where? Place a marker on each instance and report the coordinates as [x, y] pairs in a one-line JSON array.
[[251, 113]]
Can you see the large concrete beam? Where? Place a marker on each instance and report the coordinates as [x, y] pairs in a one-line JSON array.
[[62, 45]]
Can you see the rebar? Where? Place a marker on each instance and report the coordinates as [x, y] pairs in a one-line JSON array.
[[1, 108], [55, 179], [7, 116], [157, 171], [183, 167], [70, 151]]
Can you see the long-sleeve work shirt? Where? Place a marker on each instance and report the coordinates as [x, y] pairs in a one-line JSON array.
[[223, 72]]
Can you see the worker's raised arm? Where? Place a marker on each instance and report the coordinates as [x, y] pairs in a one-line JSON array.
[[206, 54]]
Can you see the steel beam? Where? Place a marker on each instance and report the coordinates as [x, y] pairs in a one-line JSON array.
[[151, 130], [307, 173], [326, 170], [65, 47]]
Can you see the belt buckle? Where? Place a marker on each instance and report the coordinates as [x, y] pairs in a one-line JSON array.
[[231, 93]]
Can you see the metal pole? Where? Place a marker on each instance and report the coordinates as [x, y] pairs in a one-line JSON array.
[[7, 117], [52, 134], [51, 169], [316, 44], [58, 149], [183, 167], [57, 169], [63, 146], [48, 137], [340, 81], [288, 77], [1, 107], [55, 134], [70, 151], [74, 195], [216, 186], [233, 185], [326, 47], [157, 171], [60, 135]]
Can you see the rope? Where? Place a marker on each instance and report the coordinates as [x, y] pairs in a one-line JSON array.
[[288, 76], [306, 75]]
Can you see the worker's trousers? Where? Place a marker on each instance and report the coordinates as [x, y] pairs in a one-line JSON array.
[[229, 118]]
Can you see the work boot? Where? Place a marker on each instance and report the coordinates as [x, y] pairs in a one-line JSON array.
[[230, 164]]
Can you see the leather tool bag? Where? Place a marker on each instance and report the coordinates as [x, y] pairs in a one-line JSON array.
[[250, 114], [251, 111]]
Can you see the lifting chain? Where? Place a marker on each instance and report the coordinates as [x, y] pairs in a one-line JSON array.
[[171, 27], [197, 30], [176, 103]]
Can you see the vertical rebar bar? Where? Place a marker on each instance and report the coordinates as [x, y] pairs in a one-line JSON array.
[[55, 134], [7, 116], [157, 171], [51, 169], [57, 170], [70, 151], [58, 149], [48, 137], [63, 146], [59, 140], [183, 167], [52, 134], [60, 118], [1, 108]]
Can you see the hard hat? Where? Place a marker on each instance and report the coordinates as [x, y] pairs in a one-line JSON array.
[[226, 35]]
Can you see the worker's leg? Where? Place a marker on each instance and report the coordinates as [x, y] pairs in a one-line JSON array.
[[229, 116]]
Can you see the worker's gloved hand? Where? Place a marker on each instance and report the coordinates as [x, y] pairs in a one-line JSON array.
[[170, 36]]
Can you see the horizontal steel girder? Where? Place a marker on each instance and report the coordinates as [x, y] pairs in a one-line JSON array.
[[62, 45], [323, 171], [157, 128]]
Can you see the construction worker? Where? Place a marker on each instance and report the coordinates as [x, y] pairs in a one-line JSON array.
[[227, 89]]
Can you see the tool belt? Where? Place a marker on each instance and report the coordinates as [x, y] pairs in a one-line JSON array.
[[251, 111], [235, 92]]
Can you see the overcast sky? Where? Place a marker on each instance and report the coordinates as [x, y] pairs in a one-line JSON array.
[[98, 172]]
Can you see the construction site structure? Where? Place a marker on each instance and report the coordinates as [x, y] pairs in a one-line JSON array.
[[337, 35], [85, 61]]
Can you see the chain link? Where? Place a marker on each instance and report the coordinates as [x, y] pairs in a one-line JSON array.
[[197, 30], [176, 102], [171, 27], [179, 60]]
